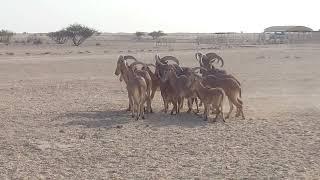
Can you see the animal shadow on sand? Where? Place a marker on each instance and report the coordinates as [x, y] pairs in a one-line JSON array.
[[113, 118], [96, 119]]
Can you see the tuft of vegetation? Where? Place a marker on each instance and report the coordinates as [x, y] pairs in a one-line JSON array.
[[10, 53], [79, 33], [60, 37], [34, 39], [156, 34], [140, 34], [5, 36]]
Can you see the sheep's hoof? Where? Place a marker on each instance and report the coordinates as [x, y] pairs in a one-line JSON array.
[[137, 118], [223, 120], [189, 110], [227, 117], [128, 109], [143, 117]]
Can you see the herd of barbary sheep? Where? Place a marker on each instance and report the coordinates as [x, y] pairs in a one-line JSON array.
[[206, 83]]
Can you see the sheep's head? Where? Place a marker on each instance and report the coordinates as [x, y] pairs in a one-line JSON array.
[[120, 62], [167, 70], [195, 77], [133, 66]]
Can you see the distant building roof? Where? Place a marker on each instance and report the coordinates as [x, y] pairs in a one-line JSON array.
[[288, 29]]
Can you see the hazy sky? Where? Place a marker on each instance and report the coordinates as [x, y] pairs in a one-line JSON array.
[[166, 15]]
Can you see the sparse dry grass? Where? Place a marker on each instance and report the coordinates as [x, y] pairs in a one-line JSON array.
[[62, 117]]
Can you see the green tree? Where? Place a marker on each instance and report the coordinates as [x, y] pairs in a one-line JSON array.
[[140, 34], [59, 37], [156, 34], [5, 36], [79, 33]]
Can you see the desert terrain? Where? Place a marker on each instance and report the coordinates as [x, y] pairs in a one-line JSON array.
[[63, 116]]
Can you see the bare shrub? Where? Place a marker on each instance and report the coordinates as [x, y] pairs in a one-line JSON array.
[[34, 39], [10, 53], [140, 34], [5, 36], [37, 41], [60, 37]]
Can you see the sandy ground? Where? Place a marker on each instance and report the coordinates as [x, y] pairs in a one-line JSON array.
[[62, 117]]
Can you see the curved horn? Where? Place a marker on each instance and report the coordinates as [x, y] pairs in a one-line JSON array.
[[213, 56], [158, 62], [151, 65], [197, 75], [172, 58], [129, 57], [196, 68], [201, 60], [136, 63], [198, 56], [120, 58], [157, 57], [175, 67]]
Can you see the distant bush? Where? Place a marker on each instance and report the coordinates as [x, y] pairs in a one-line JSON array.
[[140, 34], [37, 41], [79, 33], [156, 34], [60, 37], [5, 36], [34, 40]]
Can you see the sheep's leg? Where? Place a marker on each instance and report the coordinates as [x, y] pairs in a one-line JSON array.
[[181, 104], [165, 103], [205, 113], [190, 102], [174, 108], [166, 106], [154, 89], [213, 110], [149, 109], [137, 111], [217, 114], [141, 111], [241, 111], [130, 103], [132, 108], [231, 108], [238, 105], [222, 115], [196, 100]]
